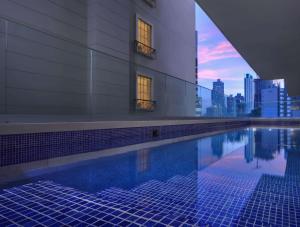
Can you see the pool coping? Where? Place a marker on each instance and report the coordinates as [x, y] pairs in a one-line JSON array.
[[22, 128]]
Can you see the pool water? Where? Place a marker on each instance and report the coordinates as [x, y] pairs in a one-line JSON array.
[[247, 177]]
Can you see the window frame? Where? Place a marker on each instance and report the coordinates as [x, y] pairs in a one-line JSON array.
[[141, 74], [137, 31], [136, 82]]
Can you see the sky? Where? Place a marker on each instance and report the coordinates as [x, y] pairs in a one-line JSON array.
[[217, 58]]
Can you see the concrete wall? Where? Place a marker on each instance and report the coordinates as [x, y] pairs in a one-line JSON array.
[[75, 57], [46, 73], [173, 24], [174, 37], [109, 32]]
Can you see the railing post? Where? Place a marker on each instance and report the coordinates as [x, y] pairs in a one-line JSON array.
[[90, 93], [5, 66]]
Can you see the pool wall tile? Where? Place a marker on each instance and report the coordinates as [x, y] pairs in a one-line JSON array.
[[22, 148]]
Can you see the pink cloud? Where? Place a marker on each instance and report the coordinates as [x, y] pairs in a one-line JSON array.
[[214, 74], [224, 50], [204, 37]]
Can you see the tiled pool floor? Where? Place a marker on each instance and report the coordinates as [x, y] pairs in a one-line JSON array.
[[237, 189], [198, 199]]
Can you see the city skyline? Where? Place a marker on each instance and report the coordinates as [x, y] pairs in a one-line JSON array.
[[217, 58], [262, 98]]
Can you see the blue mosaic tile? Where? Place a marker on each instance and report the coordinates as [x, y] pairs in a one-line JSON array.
[[22, 148], [206, 198]]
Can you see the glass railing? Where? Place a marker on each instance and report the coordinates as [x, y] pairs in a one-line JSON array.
[[44, 77]]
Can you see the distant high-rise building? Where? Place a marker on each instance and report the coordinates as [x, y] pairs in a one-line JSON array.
[[231, 106], [249, 93], [295, 106], [270, 105], [284, 103], [260, 84], [218, 92], [275, 102], [240, 104], [218, 97]]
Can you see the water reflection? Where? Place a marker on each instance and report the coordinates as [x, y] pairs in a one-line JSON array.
[[248, 149], [275, 199], [143, 160], [266, 144], [250, 146], [217, 145]]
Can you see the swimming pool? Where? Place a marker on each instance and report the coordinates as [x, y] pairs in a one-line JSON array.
[[247, 177]]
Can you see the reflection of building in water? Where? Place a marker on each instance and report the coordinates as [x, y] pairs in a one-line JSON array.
[[295, 135], [250, 146], [143, 160], [289, 138], [236, 136], [266, 143], [217, 144], [217, 99], [233, 141], [285, 140], [270, 139], [205, 153], [211, 149]]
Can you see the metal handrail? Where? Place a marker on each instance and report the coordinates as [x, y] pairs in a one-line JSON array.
[[148, 51], [145, 105]]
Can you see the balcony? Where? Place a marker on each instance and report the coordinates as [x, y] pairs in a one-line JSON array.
[[145, 105], [151, 3], [144, 50]]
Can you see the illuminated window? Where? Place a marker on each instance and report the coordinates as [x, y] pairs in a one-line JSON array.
[[144, 87], [144, 33], [144, 38], [144, 93]]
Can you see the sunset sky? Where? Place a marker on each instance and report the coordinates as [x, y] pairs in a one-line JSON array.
[[217, 58]]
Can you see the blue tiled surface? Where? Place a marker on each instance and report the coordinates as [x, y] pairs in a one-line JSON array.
[[228, 192], [177, 202], [22, 148], [199, 199], [275, 200]]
